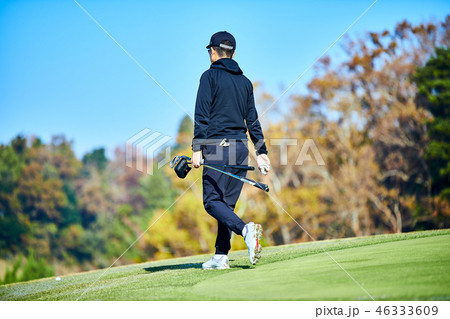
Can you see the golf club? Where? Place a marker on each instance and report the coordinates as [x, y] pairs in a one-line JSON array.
[[182, 168]]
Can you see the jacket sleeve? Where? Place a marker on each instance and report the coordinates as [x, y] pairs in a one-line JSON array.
[[253, 125], [202, 111]]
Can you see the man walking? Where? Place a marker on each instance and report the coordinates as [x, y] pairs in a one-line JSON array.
[[224, 111]]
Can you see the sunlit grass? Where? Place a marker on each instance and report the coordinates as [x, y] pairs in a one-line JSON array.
[[387, 267]]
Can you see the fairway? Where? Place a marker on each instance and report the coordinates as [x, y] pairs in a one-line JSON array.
[[410, 266]]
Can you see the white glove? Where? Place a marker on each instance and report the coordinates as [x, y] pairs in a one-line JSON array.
[[264, 169], [263, 163]]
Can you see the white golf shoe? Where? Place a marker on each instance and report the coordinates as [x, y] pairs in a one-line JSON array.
[[253, 234], [217, 262]]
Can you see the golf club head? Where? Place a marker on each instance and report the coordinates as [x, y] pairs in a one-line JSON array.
[[177, 158], [182, 168], [174, 161]]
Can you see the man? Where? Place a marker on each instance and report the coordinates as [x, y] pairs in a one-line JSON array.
[[224, 111]]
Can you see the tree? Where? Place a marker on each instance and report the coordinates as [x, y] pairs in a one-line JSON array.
[[185, 132], [433, 84], [12, 223], [96, 158], [363, 117]]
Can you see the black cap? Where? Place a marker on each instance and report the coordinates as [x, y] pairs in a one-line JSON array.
[[222, 36]]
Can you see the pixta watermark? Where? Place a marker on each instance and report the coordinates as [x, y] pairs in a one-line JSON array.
[[308, 148], [144, 147]]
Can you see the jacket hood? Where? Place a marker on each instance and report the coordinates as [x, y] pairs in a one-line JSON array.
[[228, 65]]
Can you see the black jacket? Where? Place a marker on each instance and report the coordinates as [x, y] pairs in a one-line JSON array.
[[225, 107]]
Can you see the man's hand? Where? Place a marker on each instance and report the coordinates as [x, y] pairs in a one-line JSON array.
[[263, 163], [196, 159]]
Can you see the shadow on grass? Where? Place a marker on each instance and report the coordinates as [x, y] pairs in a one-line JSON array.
[[186, 266]]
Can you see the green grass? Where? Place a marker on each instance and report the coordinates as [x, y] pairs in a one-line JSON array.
[[412, 266]]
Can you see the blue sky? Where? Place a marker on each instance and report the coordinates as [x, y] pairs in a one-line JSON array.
[[61, 74]]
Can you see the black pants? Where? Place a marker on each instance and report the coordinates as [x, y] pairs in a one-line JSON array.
[[221, 192]]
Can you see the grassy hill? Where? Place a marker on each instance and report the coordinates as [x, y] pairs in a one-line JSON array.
[[411, 266]]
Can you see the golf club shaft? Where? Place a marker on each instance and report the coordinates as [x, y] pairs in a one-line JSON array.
[[262, 186], [243, 167]]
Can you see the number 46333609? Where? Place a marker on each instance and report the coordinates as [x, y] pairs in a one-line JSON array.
[[407, 310]]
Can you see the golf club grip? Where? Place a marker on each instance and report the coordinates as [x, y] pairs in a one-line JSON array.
[[262, 186]]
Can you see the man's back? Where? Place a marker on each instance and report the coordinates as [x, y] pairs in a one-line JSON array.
[[227, 91], [225, 106]]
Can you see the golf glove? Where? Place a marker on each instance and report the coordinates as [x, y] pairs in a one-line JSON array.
[[263, 163]]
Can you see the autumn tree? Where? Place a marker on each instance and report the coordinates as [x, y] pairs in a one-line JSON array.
[[363, 116]]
